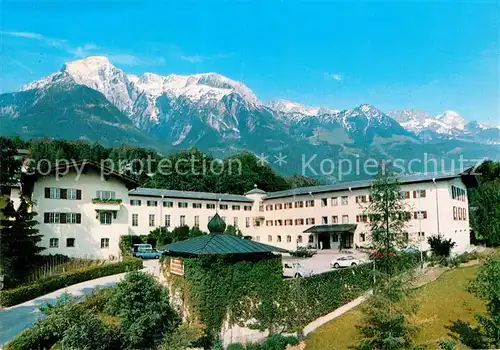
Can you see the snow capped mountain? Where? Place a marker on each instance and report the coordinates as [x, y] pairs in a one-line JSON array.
[[285, 107], [452, 119]]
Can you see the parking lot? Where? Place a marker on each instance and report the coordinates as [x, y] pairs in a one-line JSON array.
[[320, 262]]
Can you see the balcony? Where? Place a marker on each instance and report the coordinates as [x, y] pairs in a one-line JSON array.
[[110, 204]]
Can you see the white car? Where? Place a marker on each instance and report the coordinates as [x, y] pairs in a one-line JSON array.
[[295, 269], [346, 261]]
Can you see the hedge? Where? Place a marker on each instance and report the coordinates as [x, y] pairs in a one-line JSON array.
[[41, 287]]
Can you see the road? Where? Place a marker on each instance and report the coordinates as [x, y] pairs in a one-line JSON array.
[[15, 319]]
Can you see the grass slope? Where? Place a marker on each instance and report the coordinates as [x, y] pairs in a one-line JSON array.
[[441, 303]]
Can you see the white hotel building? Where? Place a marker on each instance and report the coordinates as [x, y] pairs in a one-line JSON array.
[[85, 216]]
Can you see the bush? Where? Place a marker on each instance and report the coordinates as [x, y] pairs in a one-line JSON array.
[[235, 346], [273, 342], [90, 334], [41, 287], [127, 242], [440, 246]]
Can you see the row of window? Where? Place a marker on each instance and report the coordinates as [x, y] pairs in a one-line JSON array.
[[168, 204], [70, 243], [182, 220], [63, 193], [105, 218], [459, 213], [458, 193]]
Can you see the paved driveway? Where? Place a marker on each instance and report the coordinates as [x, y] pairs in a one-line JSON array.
[[15, 319], [320, 262]]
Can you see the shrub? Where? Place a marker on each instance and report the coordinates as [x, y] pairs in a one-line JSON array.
[[90, 334], [41, 287], [235, 346], [440, 246]]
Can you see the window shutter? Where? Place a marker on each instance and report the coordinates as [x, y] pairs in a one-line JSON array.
[[423, 193], [46, 218], [78, 218], [415, 214], [47, 192], [64, 193], [414, 194], [78, 194], [62, 218], [425, 214]]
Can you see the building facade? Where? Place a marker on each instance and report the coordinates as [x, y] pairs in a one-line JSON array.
[[85, 216]]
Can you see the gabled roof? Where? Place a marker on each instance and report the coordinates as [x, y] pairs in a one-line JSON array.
[[219, 244], [342, 186], [158, 192], [255, 191], [85, 164]]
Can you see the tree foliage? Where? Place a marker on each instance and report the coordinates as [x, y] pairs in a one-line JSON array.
[[486, 286], [19, 249], [9, 164], [440, 246]]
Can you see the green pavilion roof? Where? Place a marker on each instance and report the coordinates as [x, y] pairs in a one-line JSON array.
[[332, 228], [220, 244]]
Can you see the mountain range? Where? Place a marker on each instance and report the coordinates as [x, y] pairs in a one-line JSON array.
[[91, 99]]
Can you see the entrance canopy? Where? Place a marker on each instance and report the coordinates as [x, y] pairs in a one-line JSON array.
[[334, 228]]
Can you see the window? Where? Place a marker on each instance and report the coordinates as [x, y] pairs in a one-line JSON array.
[[257, 238], [288, 239], [278, 239], [310, 203], [135, 220], [454, 213], [453, 192], [335, 219], [236, 207], [151, 220], [362, 237], [269, 222], [72, 218], [235, 222], [62, 218], [406, 237], [167, 220], [223, 207], [196, 205], [183, 220], [345, 200], [247, 222], [345, 219], [299, 204], [104, 243], [269, 207], [361, 199], [70, 242], [324, 202], [421, 236], [182, 204], [311, 239], [335, 237], [269, 238], [288, 222], [152, 203], [361, 218], [105, 194], [419, 194], [105, 217], [299, 239], [278, 206], [422, 214], [335, 201], [197, 221], [210, 206], [288, 205], [135, 202], [465, 214], [55, 193], [71, 193], [247, 207], [324, 220], [310, 221], [404, 195], [299, 221], [278, 222], [167, 204], [54, 243]]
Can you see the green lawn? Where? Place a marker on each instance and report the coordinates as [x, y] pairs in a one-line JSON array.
[[441, 303]]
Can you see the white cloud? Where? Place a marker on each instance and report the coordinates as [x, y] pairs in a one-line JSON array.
[[36, 36], [125, 59], [82, 51], [192, 59], [334, 76]]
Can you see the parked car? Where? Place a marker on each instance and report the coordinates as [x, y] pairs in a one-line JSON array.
[[303, 252], [295, 269], [148, 254], [346, 261]]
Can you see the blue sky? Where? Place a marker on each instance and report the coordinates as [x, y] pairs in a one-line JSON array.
[[426, 55]]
